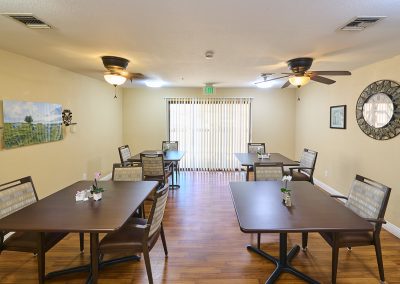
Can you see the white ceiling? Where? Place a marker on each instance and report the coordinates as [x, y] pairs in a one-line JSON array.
[[167, 39]]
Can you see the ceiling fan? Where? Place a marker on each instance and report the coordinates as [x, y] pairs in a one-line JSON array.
[[116, 73], [301, 75]]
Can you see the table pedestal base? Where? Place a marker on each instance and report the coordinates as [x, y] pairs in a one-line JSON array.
[[282, 264], [173, 185], [87, 268]]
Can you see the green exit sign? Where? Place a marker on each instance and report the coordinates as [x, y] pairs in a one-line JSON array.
[[209, 90]]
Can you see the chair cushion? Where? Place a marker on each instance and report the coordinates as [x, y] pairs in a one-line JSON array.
[[127, 239], [349, 239], [28, 241], [298, 176]]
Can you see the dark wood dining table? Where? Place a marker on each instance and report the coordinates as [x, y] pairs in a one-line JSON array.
[[60, 212], [170, 156], [248, 160], [259, 209]]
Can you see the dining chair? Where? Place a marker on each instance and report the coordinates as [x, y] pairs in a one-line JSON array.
[[368, 199], [169, 145], [124, 155], [14, 196], [139, 235], [305, 170], [267, 172], [132, 173], [123, 173], [154, 168], [174, 146], [256, 147]]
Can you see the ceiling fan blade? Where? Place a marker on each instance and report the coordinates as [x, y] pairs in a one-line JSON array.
[[134, 76], [271, 79], [277, 78], [330, 73], [322, 80], [287, 84]]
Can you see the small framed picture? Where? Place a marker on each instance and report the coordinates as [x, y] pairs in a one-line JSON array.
[[338, 117]]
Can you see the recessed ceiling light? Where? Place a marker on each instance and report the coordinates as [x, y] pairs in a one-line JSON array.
[[264, 85], [154, 83]]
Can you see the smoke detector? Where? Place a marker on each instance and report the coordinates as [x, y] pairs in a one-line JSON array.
[[209, 54]]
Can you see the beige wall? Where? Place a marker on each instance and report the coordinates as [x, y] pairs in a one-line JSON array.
[[345, 153], [138, 118], [99, 131], [273, 114]]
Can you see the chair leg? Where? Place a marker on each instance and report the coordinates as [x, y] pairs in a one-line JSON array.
[[258, 240], [81, 242], [164, 242], [335, 258], [379, 259], [304, 241], [142, 213], [147, 262]]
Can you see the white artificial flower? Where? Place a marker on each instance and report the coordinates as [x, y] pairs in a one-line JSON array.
[[286, 178]]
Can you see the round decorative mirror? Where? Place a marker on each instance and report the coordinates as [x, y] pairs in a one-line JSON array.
[[377, 111]]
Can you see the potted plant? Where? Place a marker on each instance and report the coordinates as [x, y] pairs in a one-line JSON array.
[[286, 193], [259, 152], [96, 190]]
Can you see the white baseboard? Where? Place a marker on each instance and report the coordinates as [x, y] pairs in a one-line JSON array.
[[391, 228], [107, 177]]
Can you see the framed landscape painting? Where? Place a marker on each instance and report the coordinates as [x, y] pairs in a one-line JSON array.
[[338, 117], [27, 123]]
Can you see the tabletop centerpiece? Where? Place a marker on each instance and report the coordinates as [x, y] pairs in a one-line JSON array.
[[259, 152], [286, 192], [96, 190]]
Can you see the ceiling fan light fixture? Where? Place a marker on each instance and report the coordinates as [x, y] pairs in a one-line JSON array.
[[299, 81], [114, 79]]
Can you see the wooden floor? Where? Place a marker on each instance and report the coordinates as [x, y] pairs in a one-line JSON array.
[[206, 246]]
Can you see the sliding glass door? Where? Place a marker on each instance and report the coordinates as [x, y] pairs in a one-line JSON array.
[[210, 130]]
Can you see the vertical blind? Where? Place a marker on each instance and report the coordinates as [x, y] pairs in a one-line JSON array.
[[210, 130]]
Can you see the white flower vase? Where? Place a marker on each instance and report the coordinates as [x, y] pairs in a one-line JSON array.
[[284, 196], [288, 200], [97, 196]]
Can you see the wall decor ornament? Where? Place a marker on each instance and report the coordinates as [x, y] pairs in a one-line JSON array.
[[67, 117], [377, 110]]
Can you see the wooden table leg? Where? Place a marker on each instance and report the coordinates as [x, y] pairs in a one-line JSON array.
[[41, 258], [247, 173], [173, 185], [94, 257]]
